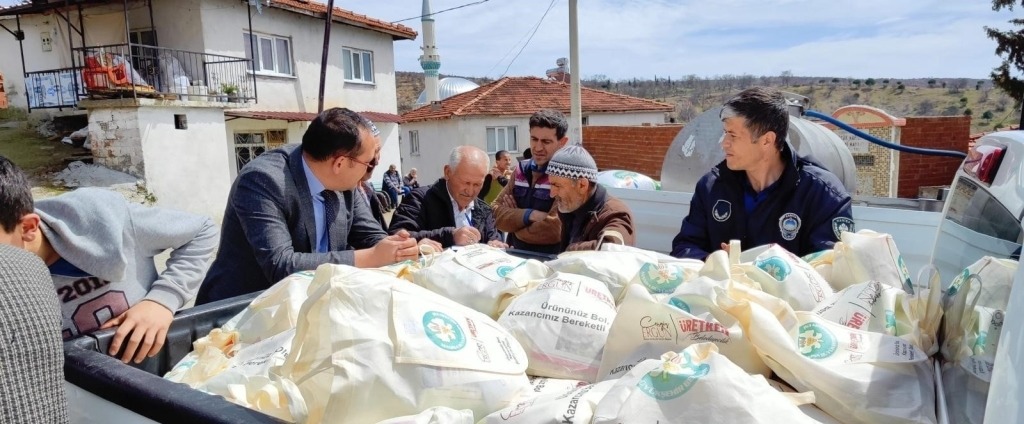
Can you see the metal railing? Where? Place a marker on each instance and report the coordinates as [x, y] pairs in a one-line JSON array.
[[138, 70], [53, 89]]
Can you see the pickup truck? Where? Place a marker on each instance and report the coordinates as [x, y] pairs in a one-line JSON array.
[[983, 215]]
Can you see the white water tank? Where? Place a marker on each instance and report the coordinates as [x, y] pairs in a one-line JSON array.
[[697, 149]]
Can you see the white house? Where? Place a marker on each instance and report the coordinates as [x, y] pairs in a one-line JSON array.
[[496, 116], [182, 93]]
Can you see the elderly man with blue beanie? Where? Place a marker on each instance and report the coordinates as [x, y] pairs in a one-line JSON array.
[[590, 216]]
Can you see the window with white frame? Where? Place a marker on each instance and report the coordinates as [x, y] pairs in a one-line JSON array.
[[248, 145], [414, 143], [501, 138], [358, 65], [273, 55]]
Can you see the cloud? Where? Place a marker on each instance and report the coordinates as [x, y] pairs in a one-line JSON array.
[[643, 38]]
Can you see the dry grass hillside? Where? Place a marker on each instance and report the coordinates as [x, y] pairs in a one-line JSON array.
[[989, 107]]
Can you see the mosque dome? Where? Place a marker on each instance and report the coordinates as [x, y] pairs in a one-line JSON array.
[[448, 87]]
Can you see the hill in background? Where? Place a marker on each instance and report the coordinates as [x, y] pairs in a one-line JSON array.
[[990, 108]]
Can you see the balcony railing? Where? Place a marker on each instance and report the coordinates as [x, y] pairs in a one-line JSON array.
[[56, 88], [138, 70]]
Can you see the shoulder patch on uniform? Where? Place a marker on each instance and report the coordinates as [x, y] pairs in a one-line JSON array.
[[789, 225], [840, 224], [722, 210]]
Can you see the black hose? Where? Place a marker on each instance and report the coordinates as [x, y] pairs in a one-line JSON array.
[[880, 142]]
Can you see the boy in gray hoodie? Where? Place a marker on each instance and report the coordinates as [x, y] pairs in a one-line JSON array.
[[99, 249]]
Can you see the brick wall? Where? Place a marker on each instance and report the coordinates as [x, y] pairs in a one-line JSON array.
[[946, 133], [637, 148]]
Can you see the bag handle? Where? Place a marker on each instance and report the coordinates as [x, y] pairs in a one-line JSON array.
[[610, 234]]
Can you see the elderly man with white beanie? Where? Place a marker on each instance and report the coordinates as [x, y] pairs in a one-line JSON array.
[[588, 213]]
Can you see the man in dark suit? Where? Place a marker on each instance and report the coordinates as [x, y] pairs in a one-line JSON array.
[[447, 211], [293, 209]]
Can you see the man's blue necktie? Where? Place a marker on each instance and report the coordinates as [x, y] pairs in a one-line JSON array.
[[330, 213]]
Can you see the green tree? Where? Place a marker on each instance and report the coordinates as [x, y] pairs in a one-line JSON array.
[[968, 112], [856, 83], [987, 115], [869, 82], [931, 83], [963, 101], [1009, 47]]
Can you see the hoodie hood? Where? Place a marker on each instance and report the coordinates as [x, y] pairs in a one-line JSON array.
[[99, 248]]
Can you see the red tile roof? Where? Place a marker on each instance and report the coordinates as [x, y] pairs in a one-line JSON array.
[[306, 116], [526, 95], [397, 31], [976, 136]]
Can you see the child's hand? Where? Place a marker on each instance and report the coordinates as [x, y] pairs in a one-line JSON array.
[[147, 322]]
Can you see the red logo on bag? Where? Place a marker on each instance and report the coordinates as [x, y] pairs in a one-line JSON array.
[[857, 320]]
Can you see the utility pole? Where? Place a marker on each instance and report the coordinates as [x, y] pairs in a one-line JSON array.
[[327, 50], [575, 112]]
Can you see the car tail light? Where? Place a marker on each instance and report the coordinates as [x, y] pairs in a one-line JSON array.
[[983, 162]]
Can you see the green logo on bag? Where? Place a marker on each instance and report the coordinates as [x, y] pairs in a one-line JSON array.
[[502, 271], [811, 257], [815, 341], [676, 376], [774, 266], [660, 278], [958, 282], [679, 304], [979, 343], [443, 331], [904, 272], [890, 322]]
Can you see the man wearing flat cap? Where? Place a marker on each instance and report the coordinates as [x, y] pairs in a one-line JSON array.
[[590, 216]]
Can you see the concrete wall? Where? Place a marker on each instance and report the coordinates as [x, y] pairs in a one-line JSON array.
[[639, 148], [389, 133], [144, 142], [223, 23], [947, 133]]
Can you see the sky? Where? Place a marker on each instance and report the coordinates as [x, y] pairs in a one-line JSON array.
[[643, 38], [623, 39]]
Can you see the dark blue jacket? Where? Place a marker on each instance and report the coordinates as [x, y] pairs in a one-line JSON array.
[[805, 213]]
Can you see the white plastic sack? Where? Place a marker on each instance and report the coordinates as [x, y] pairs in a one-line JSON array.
[[365, 338], [575, 406], [435, 415], [645, 328], [615, 268], [966, 384], [562, 322], [273, 312], [696, 385], [541, 386], [479, 276], [975, 310], [856, 376], [868, 256], [808, 409], [785, 275]]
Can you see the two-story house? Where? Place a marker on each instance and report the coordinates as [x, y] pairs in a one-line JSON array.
[[182, 93]]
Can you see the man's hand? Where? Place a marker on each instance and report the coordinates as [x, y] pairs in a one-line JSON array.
[[495, 172], [433, 244], [395, 248], [497, 243], [506, 200], [147, 322], [725, 247], [466, 236]]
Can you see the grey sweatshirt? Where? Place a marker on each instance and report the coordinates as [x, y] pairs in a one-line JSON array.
[[114, 242]]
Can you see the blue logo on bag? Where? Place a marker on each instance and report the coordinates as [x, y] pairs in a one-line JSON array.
[[502, 271], [890, 322], [679, 304], [958, 282], [660, 278], [443, 331], [676, 376], [815, 341], [774, 266]]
